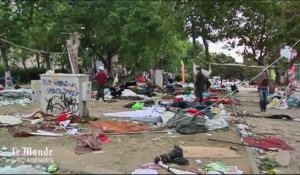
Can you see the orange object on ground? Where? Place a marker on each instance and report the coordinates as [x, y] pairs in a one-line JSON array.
[[118, 126]]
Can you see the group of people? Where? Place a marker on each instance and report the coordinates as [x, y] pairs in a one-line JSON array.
[[101, 78], [202, 84]]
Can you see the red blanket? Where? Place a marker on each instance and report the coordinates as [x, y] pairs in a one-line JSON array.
[[268, 142]]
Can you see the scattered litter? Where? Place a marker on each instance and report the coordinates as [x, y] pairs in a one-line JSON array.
[[103, 138], [221, 168], [36, 121], [278, 104], [267, 165], [174, 156], [198, 161], [209, 134], [6, 120], [170, 133], [216, 123], [72, 131], [137, 106], [267, 143], [22, 169], [297, 119], [42, 168], [144, 171], [150, 166], [4, 148], [53, 167], [174, 170], [98, 152], [88, 143], [45, 133], [6, 154]]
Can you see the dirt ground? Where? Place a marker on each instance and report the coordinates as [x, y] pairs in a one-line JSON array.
[[287, 130], [124, 153]]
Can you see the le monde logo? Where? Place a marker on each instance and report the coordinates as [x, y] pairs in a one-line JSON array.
[[28, 151], [31, 155]]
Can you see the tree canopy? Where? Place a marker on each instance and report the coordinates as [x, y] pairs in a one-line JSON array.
[[145, 34]]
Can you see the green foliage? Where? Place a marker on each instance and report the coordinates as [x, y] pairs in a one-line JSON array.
[[267, 164], [24, 75], [148, 34]]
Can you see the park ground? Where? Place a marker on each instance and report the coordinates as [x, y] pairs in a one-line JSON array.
[[124, 153]]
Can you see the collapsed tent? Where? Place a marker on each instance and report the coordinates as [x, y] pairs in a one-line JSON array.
[[187, 124], [149, 114]]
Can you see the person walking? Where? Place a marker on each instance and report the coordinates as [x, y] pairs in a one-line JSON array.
[[101, 79], [263, 84], [200, 85]]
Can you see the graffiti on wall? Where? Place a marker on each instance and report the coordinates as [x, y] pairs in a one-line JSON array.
[[62, 103], [62, 95]]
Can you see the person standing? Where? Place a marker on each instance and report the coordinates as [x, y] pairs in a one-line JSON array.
[[101, 79], [263, 84], [200, 85]]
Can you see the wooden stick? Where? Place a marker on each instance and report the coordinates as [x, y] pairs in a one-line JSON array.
[[137, 132]]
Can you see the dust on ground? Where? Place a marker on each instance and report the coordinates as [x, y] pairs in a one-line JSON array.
[[123, 153]]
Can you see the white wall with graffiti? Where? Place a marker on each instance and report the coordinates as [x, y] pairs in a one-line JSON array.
[[62, 92]]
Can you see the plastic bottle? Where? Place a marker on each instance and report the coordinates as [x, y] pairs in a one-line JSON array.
[[41, 168], [53, 167]]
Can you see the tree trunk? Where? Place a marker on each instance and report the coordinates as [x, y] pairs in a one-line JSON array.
[[275, 56], [24, 62], [206, 50], [5, 58], [108, 63], [38, 61], [260, 61], [4, 49], [194, 37], [94, 64]]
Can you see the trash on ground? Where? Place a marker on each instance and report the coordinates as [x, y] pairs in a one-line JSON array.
[[221, 168], [144, 171], [174, 156], [53, 167], [6, 120], [22, 169], [88, 143], [267, 143]]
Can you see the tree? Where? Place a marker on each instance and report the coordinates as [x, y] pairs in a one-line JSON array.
[[256, 28], [204, 19], [45, 28], [230, 72], [14, 18]]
